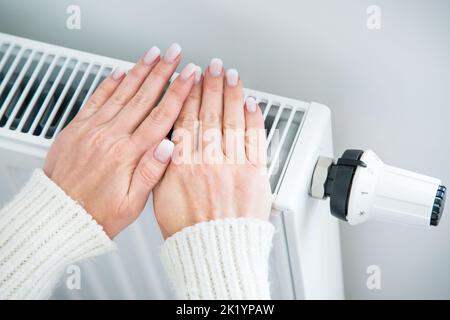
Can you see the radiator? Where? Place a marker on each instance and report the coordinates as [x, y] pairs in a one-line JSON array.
[[43, 86]]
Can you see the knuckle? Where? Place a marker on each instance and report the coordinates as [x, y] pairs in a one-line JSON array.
[[138, 99], [194, 96], [94, 101], [100, 94], [148, 173], [231, 124], [215, 87], [175, 95], [187, 120], [160, 74], [159, 114], [211, 118], [252, 140], [99, 139], [119, 149], [119, 98]]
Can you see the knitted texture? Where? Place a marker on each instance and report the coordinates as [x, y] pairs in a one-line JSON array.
[[42, 231], [220, 259]]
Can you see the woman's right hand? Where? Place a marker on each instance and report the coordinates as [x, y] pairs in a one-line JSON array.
[[218, 169]]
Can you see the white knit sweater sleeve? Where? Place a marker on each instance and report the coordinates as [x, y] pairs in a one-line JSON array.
[[42, 231], [220, 259]]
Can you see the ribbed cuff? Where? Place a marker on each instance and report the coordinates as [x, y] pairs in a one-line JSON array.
[[42, 231], [220, 259]]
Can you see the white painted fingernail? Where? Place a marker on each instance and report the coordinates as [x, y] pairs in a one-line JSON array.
[[198, 74], [187, 72], [172, 53], [250, 104], [118, 73], [151, 55], [232, 77], [215, 67], [164, 151]]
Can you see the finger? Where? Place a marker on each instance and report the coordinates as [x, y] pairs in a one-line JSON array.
[[149, 171], [149, 93], [161, 119], [187, 121], [129, 85], [211, 110], [101, 94], [255, 137], [233, 117]]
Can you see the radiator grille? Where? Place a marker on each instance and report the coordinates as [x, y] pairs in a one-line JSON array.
[[40, 91]]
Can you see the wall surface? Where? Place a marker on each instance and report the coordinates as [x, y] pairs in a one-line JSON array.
[[388, 89]]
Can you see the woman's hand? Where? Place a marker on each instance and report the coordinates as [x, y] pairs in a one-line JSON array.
[[113, 153], [218, 168]]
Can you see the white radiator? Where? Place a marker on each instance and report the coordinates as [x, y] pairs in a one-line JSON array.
[[43, 86]]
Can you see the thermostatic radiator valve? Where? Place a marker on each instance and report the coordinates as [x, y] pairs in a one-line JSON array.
[[361, 187]]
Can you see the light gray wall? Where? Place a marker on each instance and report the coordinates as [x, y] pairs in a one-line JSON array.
[[388, 89]]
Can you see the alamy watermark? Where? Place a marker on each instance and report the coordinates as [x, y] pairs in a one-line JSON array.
[[373, 281], [73, 21], [73, 281], [374, 17]]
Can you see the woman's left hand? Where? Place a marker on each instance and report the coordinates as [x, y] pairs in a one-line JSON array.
[[114, 151]]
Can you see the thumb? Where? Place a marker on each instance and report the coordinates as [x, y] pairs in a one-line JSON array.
[[149, 171]]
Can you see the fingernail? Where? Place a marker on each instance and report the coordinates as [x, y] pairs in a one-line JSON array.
[[250, 104], [164, 151], [187, 72], [198, 74], [172, 53], [151, 55], [215, 67], [232, 77], [118, 73]]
